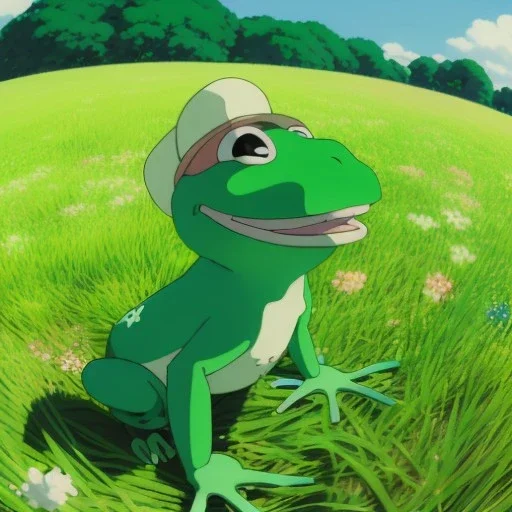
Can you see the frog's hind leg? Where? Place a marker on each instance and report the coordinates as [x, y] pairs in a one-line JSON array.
[[136, 397]]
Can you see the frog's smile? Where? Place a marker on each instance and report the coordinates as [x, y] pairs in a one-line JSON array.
[[328, 229]]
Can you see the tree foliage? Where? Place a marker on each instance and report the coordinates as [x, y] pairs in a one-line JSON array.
[[423, 70], [202, 30], [502, 100], [370, 57], [467, 79], [59, 34], [262, 39]]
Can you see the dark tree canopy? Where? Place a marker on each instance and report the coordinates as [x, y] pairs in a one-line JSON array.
[[343, 59], [467, 79], [372, 62], [262, 39], [423, 70], [395, 71], [195, 30], [502, 100], [59, 34]]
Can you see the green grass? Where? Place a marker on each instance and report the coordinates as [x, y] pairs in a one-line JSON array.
[[65, 279]]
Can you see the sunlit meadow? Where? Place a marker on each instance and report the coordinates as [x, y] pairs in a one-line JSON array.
[[81, 243]]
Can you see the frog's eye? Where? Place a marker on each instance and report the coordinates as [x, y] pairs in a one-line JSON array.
[[247, 145], [302, 131]]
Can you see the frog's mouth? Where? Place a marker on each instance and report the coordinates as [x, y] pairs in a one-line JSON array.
[[328, 229]]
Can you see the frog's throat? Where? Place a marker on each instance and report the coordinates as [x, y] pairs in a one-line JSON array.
[[325, 230]]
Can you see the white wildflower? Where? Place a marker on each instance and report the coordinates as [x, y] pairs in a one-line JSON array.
[[121, 200], [460, 254], [412, 171], [75, 209], [127, 156], [21, 184], [423, 221], [93, 160], [12, 243], [456, 218], [462, 177], [72, 362], [48, 491]]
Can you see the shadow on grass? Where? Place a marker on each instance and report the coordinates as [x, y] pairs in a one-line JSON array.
[[77, 424]]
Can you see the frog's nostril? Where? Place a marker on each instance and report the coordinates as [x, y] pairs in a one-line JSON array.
[[337, 159]]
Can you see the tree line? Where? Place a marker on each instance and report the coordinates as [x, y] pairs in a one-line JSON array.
[[53, 35]]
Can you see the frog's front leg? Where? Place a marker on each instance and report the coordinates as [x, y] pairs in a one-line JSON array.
[[189, 403], [322, 378]]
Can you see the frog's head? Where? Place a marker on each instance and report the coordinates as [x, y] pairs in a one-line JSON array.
[[258, 190]]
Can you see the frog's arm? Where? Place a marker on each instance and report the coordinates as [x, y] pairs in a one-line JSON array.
[[188, 394], [321, 378], [301, 348]]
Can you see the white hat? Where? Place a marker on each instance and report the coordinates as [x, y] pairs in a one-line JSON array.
[[218, 104]]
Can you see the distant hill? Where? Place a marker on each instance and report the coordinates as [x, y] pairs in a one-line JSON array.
[[4, 20], [53, 35]]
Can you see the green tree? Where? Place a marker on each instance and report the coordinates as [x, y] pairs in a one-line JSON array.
[[372, 61], [262, 39], [202, 30], [441, 75], [502, 100], [60, 34], [56, 34], [423, 70], [395, 71], [343, 58], [467, 79]]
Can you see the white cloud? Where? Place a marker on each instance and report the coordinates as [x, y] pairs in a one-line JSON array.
[[14, 7], [493, 35], [399, 53], [499, 69], [439, 57], [461, 43], [499, 74], [490, 43]]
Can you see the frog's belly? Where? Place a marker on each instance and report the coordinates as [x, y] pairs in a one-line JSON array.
[[277, 326]]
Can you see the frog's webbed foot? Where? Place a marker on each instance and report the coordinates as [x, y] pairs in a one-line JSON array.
[[330, 381], [222, 476], [153, 450]]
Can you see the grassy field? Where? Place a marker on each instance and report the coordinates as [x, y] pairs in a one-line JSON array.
[[81, 242]]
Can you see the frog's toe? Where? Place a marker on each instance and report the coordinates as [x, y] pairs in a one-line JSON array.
[[160, 448], [141, 451], [153, 450]]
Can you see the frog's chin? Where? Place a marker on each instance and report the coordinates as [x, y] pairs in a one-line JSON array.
[[325, 230]]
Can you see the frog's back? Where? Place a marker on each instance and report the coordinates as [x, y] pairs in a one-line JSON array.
[[161, 324]]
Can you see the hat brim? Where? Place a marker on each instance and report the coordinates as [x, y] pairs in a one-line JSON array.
[[160, 169]]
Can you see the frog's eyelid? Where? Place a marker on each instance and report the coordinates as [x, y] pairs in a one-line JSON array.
[[301, 130]]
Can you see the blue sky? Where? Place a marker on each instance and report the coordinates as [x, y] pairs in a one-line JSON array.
[[453, 29]]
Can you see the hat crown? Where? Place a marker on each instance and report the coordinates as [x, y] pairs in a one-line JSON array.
[[219, 102]]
